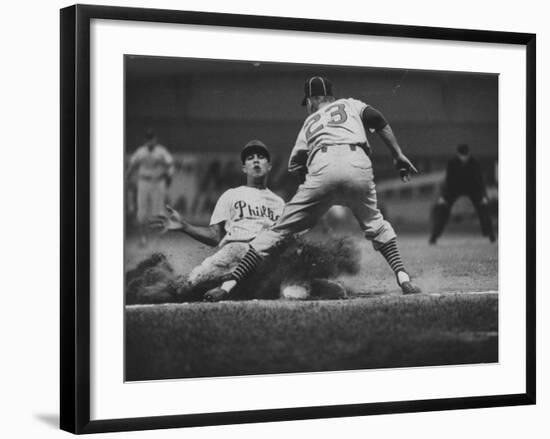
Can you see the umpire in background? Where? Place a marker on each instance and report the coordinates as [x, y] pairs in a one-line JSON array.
[[463, 177]]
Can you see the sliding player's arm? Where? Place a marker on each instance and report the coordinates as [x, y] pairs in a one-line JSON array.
[[209, 235]]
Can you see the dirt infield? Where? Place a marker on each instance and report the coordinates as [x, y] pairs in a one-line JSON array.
[[154, 279], [457, 263], [258, 337]]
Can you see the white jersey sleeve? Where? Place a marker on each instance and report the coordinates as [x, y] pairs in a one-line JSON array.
[[357, 106], [166, 156], [136, 157], [222, 210], [168, 160]]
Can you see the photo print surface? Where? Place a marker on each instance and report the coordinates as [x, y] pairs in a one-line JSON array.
[[294, 218]]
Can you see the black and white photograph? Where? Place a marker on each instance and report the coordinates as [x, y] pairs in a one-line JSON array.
[[284, 218], [275, 219]]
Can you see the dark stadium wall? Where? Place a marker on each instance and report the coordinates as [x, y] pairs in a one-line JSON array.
[[220, 110]]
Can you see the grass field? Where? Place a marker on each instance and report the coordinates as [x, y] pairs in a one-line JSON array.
[[376, 328]]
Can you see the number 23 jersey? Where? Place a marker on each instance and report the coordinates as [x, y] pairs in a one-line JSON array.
[[338, 123]]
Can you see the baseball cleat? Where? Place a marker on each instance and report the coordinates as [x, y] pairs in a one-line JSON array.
[[409, 288], [215, 295]]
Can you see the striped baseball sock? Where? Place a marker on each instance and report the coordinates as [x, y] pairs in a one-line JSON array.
[[248, 264], [391, 253]]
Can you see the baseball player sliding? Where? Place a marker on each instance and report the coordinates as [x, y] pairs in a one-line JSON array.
[[330, 155], [240, 214]]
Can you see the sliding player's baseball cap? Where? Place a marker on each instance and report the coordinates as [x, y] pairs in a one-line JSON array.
[[317, 86], [254, 146]]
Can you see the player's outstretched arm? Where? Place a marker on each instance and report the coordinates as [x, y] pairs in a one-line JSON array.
[[209, 235], [402, 163], [373, 120]]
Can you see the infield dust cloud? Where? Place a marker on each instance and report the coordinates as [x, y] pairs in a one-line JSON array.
[[154, 280]]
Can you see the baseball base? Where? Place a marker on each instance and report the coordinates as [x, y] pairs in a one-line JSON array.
[[294, 292]]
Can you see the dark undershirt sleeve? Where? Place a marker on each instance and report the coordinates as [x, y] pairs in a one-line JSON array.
[[373, 119]]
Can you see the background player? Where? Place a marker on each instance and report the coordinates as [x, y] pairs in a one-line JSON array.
[[463, 177], [331, 155], [154, 166], [239, 215]]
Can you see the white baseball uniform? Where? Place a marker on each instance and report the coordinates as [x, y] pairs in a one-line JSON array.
[[153, 166], [245, 211], [331, 145]]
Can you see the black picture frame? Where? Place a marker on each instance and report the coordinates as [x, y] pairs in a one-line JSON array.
[[75, 217]]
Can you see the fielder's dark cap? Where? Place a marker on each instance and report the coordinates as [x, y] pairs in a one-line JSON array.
[[317, 86], [254, 146], [463, 149]]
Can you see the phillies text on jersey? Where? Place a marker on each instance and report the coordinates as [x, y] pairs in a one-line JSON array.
[[246, 211]]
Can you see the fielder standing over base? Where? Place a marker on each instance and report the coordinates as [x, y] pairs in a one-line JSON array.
[[331, 155], [155, 167], [240, 214]]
